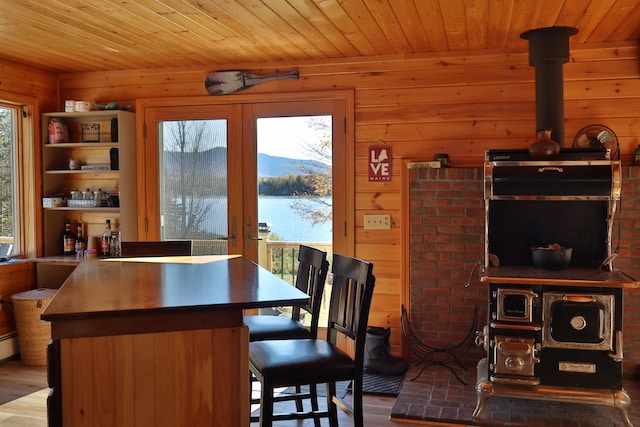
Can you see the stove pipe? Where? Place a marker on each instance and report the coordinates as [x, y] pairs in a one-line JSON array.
[[548, 51]]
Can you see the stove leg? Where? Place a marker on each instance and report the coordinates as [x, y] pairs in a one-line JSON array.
[[484, 390], [622, 401], [484, 387]]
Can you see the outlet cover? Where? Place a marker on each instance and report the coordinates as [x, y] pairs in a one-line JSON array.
[[377, 222]]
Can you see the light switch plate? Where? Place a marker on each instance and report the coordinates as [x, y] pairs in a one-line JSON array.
[[377, 222]]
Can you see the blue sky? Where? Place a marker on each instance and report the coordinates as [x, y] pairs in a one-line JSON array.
[[284, 136]]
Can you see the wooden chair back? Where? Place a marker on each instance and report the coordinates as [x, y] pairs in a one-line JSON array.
[[351, 293], [312, 273], [156, 248]]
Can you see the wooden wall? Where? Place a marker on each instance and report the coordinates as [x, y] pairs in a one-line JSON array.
[[460, 104], [19, 83], [24, 85]]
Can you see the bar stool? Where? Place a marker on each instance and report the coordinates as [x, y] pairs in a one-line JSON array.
[[287, 362]]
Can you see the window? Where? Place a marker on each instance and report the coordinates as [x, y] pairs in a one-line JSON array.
[[8, 188], [19, 194]]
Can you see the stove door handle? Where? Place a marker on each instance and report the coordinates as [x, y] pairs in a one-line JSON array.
[[549, 168], [579, 298], [618, 356]]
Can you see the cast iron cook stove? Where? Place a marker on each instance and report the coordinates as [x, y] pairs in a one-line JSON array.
[[552, 334]]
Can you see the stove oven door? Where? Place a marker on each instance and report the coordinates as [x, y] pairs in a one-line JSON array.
[[578, 339], [578, 321]]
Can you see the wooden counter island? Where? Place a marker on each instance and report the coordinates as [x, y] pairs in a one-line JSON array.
[[156, 341]]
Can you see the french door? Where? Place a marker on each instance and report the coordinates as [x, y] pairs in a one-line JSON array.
[[191, 189], [214, 200]]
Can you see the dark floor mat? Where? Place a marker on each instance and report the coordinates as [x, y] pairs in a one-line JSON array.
[[388, 385]]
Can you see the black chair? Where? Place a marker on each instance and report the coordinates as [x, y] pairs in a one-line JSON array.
[[156, 248], [310, 279], [284, 363]]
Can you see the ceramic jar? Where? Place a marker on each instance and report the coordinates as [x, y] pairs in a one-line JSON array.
[[58, 132], [544, 148]]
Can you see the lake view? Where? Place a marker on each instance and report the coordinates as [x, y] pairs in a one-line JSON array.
[[276, 210], [287, 224]]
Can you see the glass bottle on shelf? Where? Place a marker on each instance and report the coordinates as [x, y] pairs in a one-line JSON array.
[[97, 198], [81, 243], [68, 239], [105, 241], [100, 198], [115, 245]]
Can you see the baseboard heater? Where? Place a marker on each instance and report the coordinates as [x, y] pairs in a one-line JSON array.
[[9, 345]]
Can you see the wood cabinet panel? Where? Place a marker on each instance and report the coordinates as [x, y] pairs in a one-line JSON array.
[[135, 380], [14, 278], [52, 274]]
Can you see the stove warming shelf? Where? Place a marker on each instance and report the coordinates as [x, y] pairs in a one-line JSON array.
[[575, 277]]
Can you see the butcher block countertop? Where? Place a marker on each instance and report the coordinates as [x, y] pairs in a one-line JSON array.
[[137, 285]]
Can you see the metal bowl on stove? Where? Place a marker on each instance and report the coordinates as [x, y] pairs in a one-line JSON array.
[[551, 257]]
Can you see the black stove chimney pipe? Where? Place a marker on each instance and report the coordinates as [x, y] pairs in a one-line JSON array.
[[548, 51]]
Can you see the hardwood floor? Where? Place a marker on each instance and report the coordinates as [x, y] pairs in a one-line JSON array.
[[23, 396]]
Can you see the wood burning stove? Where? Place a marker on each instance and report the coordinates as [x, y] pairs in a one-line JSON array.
[[552, 334]]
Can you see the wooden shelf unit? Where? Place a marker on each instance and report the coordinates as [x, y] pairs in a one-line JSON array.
[[59, 180]]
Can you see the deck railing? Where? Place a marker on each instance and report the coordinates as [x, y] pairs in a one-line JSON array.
[[277, 256], [281, 258]]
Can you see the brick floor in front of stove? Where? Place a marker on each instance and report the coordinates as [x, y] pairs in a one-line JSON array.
[[437, 395]]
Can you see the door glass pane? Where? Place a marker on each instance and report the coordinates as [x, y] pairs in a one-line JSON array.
[[294, 178], [294, 169], [193, 183]]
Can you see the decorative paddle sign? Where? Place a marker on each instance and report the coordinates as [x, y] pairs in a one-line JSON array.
[[380, 163], [226, 82]]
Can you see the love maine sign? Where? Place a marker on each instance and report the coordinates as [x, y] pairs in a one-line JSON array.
[[380, 163]]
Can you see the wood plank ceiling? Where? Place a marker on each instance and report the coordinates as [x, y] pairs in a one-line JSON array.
[[94, 35]]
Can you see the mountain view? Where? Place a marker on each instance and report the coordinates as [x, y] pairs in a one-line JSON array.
[[268, 166], [272, 166]]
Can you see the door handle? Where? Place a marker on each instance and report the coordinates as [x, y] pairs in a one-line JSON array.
[[232, 238], [250, 236]]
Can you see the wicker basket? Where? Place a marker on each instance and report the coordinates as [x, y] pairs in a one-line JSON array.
[[90, 132], [33, 333]]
